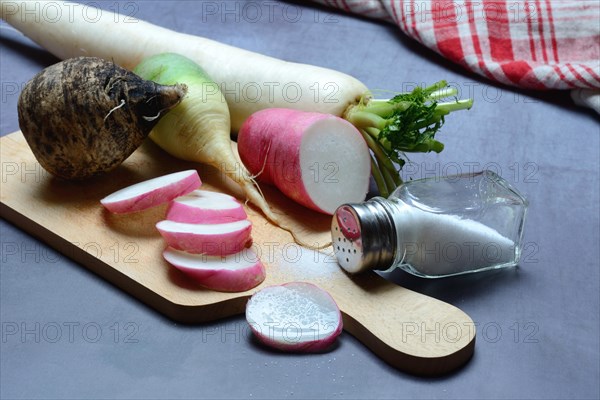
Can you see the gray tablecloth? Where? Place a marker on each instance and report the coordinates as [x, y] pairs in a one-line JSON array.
[[68, 334]]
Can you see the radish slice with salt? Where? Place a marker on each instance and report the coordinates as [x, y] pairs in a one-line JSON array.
[[152, 192], [234, 273], [206, 207], [210, 239], [296, 316]]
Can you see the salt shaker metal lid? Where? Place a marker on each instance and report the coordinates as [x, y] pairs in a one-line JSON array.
[[363, 236]]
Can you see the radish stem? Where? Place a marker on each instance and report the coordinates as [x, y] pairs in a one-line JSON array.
[[455, 105], [443, 93], [378, 177], [365, 119], [387, 177], [378, 151]]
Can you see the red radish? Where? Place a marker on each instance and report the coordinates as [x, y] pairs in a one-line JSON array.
[[210, 239], [205, 207], [319, 160], [152, 192], [234, 273], [296, 316]]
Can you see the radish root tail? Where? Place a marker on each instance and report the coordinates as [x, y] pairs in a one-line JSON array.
[[253, 177], [121, 104], [255, 196]]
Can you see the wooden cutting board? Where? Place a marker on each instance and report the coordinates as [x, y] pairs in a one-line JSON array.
[[411, 331]]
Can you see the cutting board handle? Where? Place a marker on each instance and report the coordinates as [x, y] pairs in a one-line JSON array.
[[410, 331]]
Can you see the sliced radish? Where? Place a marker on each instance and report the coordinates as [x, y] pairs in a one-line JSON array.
[[205, 207], [210, 239], [234, 273], [152, 192], [296, 316], [320, 161]]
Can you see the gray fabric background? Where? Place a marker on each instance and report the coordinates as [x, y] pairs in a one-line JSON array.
[[537, 324]]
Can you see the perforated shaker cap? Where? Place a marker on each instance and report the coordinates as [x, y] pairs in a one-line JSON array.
[[364, 237]]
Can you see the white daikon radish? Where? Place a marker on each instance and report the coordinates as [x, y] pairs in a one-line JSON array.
[[250, 81]]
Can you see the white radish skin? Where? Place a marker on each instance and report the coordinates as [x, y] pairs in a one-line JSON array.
[[210, 239], [235, 273], [296, 317], [205, 207], [318, 160], [153, 192], [114, 37]]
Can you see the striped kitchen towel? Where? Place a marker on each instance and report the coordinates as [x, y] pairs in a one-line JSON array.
[[535, 44]]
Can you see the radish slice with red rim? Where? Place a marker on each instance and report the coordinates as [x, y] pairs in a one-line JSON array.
[[211, 239], [296, 316], [206, 207], [150, 193], [234, 273]]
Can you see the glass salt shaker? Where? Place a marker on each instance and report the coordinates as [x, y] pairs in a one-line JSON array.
[[434, 227]]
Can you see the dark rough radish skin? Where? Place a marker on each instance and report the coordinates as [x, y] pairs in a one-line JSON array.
[[84, 116]]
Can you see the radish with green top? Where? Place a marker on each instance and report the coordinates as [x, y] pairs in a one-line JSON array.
[[152, 192], [211, 239], [296, 316], [390, 127], [205, 207], [318, 160], [233, 273]]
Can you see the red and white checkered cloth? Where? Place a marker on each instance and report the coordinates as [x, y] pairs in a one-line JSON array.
[[536, 44]]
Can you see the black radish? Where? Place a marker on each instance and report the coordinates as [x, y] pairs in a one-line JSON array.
[[84, 116]]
